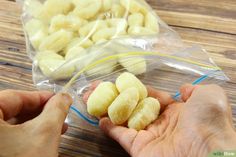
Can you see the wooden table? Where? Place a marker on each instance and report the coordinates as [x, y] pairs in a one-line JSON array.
[[211, 23]]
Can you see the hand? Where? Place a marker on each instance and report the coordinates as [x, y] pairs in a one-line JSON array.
[[201, 123], [31, 123]]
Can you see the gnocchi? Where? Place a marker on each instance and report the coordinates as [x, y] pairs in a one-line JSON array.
[[33, 7], [75, 52], [135, 65], [82, 3], [78, 42], [70, 23], [136, 19], [37, 31], [117, 10], [134, 6], [106, 5], [122, 107], [56, 41], [89, 11], [91, 28], [51, 8], [144, 114], [107, 33], [127, 80], [48, 55], [101, 99], [137, 30], [50, 68], [151, 22], [103, 69]]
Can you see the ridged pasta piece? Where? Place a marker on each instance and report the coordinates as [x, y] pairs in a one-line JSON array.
[[145, 113], [122, 107], [101, 99]]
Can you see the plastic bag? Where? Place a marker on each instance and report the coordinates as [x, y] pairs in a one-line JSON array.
[[69, 59]]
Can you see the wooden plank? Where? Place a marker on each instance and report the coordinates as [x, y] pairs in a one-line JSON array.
[[15, 78], [220, 47], [208, 15]]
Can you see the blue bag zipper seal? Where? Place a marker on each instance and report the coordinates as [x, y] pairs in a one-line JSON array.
[[95, 123]]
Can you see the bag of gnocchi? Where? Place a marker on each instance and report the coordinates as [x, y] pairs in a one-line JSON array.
[[73, 43], [57, 31]]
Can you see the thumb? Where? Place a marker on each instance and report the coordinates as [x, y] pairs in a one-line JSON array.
[[186, 91], [54, 113]]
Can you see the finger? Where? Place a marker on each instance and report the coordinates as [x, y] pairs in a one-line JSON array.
[[86, 96], [122, 135], [64, 128], [186, 91], [94, 85], [54, 113], [163, 97], [14, 102]]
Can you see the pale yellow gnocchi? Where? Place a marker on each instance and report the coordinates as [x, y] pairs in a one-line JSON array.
[[145, 113], [56, 41], [70, 23], [88, 11], [101, 99], [107, 33], [138, 30], [134, 65], [127, 80], [90, 28], [49, 65], [123, 106], [136, 19]]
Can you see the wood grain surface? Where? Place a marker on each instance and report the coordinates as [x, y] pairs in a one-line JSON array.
[[210, 23]]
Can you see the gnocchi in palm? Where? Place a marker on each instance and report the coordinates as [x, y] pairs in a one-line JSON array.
[[144, 114], [127, 80], [101, 99], [130, 105], [122, 107]]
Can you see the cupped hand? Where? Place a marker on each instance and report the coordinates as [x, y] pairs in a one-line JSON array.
[[195, 126], [31, 123]]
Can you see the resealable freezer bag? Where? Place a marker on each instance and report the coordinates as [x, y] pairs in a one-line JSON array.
[[59, 30], [73, 43]]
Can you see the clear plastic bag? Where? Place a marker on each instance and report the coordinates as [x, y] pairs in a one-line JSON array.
[[69, 60], [58, 30]]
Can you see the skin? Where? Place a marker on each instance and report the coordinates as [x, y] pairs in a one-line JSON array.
[[198, 124]]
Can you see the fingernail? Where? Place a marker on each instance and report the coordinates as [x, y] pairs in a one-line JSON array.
[[67, 98]]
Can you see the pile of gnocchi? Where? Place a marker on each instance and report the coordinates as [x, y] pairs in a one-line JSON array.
[[60, 30], [124, 101]]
